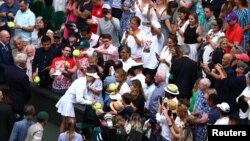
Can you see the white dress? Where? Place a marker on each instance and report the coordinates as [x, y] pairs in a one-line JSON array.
[[167, 56], [73, 95], [143, 16]]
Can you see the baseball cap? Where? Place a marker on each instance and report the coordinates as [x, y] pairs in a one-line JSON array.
[[243, 66], [224, 107], [57, 33], [84, 44], [232, 16], [43, 115], [106, 6], [243, 56]]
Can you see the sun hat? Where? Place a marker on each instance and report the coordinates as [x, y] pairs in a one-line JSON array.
[[172, 89], [116, 106], [95, 75]]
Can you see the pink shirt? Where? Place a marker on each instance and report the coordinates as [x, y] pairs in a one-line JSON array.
[[112, 52]]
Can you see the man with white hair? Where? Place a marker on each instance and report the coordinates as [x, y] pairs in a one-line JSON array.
[[19, 46], [158, 92], [18, 82], [30, 50]]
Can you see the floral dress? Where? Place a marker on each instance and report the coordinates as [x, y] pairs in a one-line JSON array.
[[126, 16]]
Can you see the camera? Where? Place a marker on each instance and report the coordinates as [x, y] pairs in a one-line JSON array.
[[69, 25]]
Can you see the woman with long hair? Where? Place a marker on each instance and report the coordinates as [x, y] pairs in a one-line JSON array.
[[134, 128], [70, 134], [158, 12], [181, 23], [226, 8], [138, 97], [192, 35], [211, 39], [42, 28], [182, 133], [166, 55]]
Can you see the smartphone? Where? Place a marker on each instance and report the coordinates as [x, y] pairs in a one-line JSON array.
[[169, 113], [174, 116], [160, 99]]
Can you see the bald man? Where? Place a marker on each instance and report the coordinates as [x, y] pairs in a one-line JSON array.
[[5, 52]]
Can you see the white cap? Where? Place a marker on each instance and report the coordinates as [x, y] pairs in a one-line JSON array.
[[156, 24], [224, 107], [106, 6], [108, 118], [95, 75], [136, 64]]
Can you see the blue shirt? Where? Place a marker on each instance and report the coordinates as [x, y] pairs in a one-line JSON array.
[[157, 93], [25, 19], [5, 8], [213, 115], [20, 129]]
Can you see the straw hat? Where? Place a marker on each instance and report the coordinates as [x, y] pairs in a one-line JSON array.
[[172, 89], [116, 106]]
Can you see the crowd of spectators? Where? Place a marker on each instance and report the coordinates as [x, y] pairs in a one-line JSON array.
[[150, 70]]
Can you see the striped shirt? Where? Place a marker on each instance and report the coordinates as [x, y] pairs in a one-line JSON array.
[[243, 20]]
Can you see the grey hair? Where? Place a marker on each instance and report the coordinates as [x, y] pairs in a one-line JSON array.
[[18, 38], [161, 74], [127, 49], [185, 49], [206, 82], [20, 58]]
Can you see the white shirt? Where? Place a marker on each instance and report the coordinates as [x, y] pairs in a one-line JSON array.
[[165, 131], [246, 93], [136, 51], [127, 64], [93, 39], [77, 90], [148, 93], [222, 121], [141, 78], [124, 88], [152, 45]]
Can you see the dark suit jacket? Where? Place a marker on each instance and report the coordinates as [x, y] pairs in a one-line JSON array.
[[42, 60], [6, 121], [20, 90], [5, 58], [184, 71]]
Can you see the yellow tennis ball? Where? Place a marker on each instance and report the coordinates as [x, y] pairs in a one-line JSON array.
[[97, 105], [112, 87], [11, 24], [76, 53], [37, 79]]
